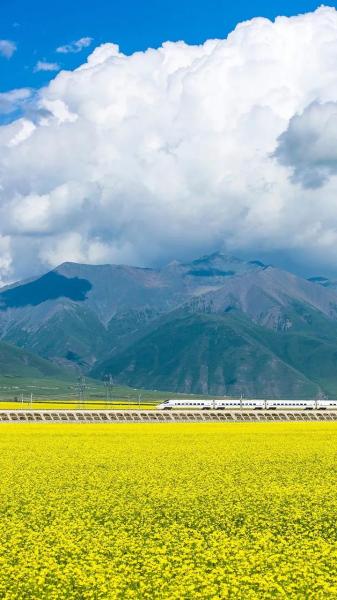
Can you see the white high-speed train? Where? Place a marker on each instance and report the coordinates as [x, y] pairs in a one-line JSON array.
[[222, 404]]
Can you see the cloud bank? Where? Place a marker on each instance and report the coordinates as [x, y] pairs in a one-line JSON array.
[[177, 151]]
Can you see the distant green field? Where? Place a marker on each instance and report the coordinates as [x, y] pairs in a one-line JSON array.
[[88, 405], [15, 392]]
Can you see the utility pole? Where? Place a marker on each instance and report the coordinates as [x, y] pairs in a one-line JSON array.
[[111, 385], [139, 399], [81, 387], [108, 383]]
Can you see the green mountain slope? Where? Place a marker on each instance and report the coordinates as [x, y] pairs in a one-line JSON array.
[[215, 325], [76, 314], [15, 362], [215, 354], [72, 337]]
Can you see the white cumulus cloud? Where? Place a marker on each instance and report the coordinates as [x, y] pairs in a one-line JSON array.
[[309, 145], [180, 150], [7, 48], [43, 65], [76, 46], [5, 259], [11, 101]]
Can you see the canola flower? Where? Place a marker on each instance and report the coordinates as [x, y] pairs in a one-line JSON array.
[[168, 511]]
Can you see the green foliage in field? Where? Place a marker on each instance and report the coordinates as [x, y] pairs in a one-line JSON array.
[[65, 391], [168, 511], [54, 405]]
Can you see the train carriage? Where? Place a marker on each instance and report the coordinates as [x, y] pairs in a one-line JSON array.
[[245, 404]]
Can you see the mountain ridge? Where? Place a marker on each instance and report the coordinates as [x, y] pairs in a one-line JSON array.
[[97, 319]]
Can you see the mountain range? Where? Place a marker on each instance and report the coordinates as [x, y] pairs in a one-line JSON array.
[[216, 325]]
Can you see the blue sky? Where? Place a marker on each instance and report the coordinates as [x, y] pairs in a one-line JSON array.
[[38, 28]]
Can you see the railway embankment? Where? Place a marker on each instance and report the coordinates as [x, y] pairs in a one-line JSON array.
[[152, 416]]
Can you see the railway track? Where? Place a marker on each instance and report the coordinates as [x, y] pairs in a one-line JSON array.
[[153, 416]]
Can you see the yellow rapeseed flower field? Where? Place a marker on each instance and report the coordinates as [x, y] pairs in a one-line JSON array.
[[168, 511]]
